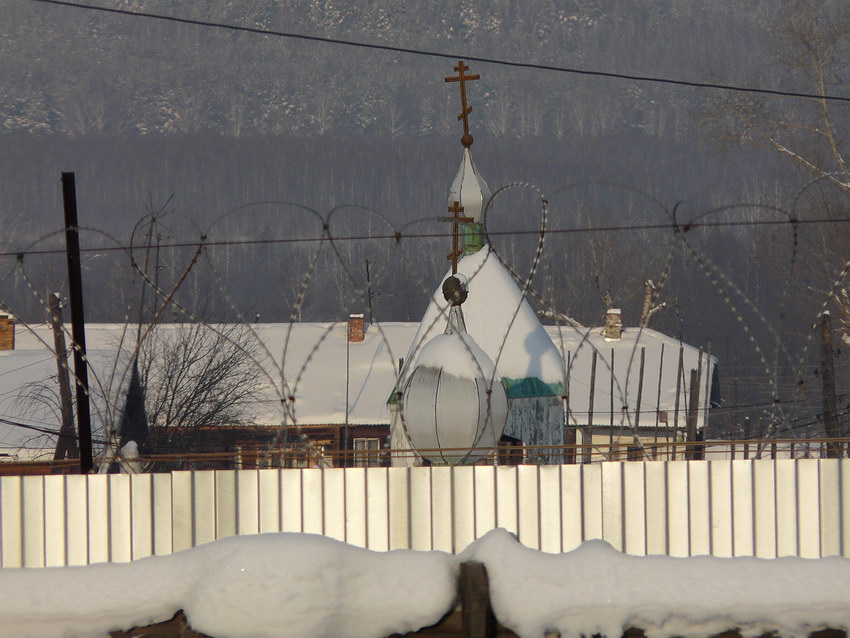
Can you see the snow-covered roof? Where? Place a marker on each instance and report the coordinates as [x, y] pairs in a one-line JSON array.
[[313, 358], [304, 360], [661, 364], [469, 188], [500, 320]]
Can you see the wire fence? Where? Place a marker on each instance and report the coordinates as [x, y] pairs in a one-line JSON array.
[[285, 383]]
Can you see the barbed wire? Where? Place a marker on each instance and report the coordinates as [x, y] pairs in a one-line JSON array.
[[398, 237], [679, 240]]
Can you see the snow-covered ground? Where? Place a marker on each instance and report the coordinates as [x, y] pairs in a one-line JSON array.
[[301, 585]]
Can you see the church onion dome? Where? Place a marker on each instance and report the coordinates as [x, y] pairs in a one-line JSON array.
[[454, 407], [503, 325], [470, 189]]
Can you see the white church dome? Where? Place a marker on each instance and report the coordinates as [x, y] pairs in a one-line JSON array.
[[454, 406]]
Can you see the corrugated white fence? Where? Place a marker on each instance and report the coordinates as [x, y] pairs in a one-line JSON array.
[[725, 508]]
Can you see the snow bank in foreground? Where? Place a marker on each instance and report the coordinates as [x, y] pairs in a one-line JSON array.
[[597, 590], [307, 586], [281, 585]]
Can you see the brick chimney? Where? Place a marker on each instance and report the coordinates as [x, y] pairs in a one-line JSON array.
[[7, 332], [356, 328], [613, 324]]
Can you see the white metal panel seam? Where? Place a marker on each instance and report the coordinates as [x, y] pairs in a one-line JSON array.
[[109, 520], [645, 514], [452, 508], [797, 501], [623, 535], [539, 510], [65, 516], [667, 508], [561, 507], [710, 510], [581, 504], [775, 511]]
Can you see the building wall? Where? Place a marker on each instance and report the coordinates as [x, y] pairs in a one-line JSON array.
[[537, 421]]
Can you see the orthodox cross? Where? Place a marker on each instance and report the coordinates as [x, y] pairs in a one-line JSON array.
[[461, 77], [455, 209]]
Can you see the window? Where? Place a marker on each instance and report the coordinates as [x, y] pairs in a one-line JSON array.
[[367, 452]]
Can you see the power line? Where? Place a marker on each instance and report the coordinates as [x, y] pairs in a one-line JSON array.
[[398, 237], [42, 430], [452, 56]]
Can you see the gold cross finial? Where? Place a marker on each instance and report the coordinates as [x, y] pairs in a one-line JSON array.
[[455, 209], [463, 78]]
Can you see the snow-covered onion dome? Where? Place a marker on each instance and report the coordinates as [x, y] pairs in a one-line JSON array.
[[469, 189], [454, 406]]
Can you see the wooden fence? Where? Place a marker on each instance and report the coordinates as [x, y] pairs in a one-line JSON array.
[[765, 508]]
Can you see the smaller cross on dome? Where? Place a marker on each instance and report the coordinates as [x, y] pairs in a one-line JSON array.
[[455, 209]]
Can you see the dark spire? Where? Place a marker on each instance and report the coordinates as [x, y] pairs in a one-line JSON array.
[[134, 420]]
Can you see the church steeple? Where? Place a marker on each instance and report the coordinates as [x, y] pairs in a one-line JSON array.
[[469, 191]]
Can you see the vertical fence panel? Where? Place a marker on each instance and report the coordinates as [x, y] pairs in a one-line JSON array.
[[11, 522], [844, 470], [742, 508], [764, 509], [786, 507], [182, 510], [571, 507], [355, 506], [634, 514], [421, 521], [120, 524], [400, 499], [54, 521], [377, 509], [333, 503], [463, 506], [506, 499], [247, 502], [591, 501], [32, 491], [225, 503], [163, 512], [808, 508], [551, 514], [724, 508], [268, 484], [291, 501], [699, 518], [721, 508], [528, 505], [76, 521], [655, 479], [441, 508], [485, 499], [204, 516], [98, 512], [141, 515], [678, 516], [312, 501], [830, 507], [612, 504]]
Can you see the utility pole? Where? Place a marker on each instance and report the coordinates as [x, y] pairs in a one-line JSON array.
[[66, 445], [827, 377], [78, 326], [369, 292]]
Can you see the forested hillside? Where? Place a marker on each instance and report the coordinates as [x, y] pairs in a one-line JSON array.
[[240, 137]]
